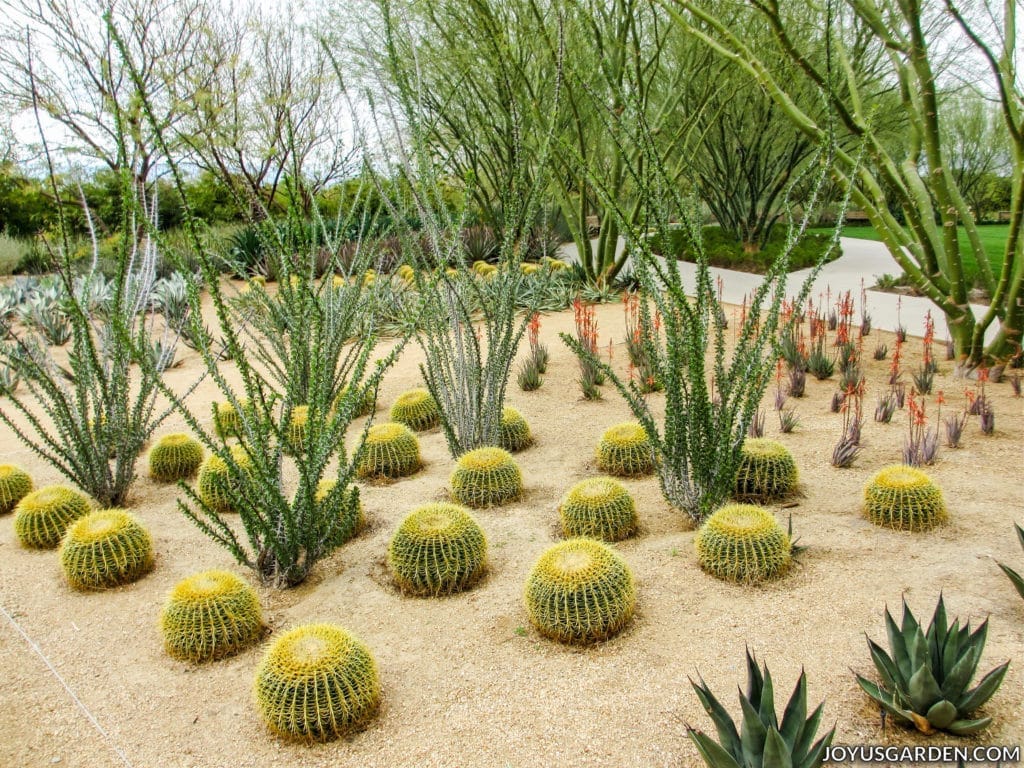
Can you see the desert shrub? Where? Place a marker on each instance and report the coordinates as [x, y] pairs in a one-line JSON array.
[[105, 549], [580, 591], [210, 615], [317, 682]]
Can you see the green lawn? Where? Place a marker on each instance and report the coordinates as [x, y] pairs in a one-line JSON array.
[[993, 238]]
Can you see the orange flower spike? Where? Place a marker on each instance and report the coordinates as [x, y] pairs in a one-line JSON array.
[[940, 398], [983, 375]]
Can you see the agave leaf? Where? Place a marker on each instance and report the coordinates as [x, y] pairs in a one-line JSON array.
[[885, 666], [752, 733], [967, 727], [909, 626], [952, 655], [923, 690], [941, 714], [727, 733], [755, 682], [918, 650], [1020, 534], [1016, 578], [793, 718], [712, 752], [960, 674], [898, 646], [983, 691], [884, 699], [776, 753], [802, 746], [766, 710], [817, 754], [937, 633]]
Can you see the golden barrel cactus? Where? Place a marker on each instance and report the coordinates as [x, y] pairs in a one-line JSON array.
[[175, 457], [210, 615], [743, 543], [389, 450], [105, 549], [767, 470], [15, 484], [486, 477], [515, 432], [42, 517], [904, 498], [599, 508], [625, 451], [438, 549], [417, 409]]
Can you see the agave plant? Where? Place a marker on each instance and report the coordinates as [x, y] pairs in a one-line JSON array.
[[1015, 577], [763, 740], [925, 681]]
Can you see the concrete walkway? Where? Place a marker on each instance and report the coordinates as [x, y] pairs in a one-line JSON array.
[[864, 260]]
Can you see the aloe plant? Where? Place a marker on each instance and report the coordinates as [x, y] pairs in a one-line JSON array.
[[925, 680], [763, 740], [1016, 578]]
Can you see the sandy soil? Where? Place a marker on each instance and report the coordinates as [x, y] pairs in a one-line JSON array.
[[466, 681]]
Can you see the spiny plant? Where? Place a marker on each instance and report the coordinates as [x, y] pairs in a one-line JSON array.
[[15, 483], [105, 549], [216, 487], [350, 515], [515, 432], [98, 385], [389, 450], [317, 682], [925, 680], [764, 739], [175, 457], [767, 470], [1013, 575], [707, 408], [210, 615], [903, 498], [417, 409], [743, 543], [598, 508], [486, 477], [42, 517], [438, 549], [580, 591], [625, 450]]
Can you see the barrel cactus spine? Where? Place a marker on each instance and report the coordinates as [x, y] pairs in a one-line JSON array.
[[438, 549], [42, 517], [175, 457], [580, 591], [209, 616], [486, 477], [15, 484], [317, 682], [743, 543], [625, 451], [104, 549]]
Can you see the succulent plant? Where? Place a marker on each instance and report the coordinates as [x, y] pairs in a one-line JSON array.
[[214, 482], [210, 615], [42, 517], [743, 543], [417, 409], [298, 430], [600, 508], [1014, 576], [105, 549], [317, 682], [352, 517], [767, 470], [925, 681], [175, 457], [366, 406], [389, 450], [515, 432], [625, 451], [763, 739], [15, 484], [226, 421], [580, 591], [438, 549], [903, 498], [486, 477]]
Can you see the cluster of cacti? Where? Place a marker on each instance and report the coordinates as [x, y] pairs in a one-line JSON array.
[[600, 508], [214, 482], [767, 470], [763, 739], [486, 477], [298, 429], [417, 409], [175, 457], [580, 591], [15, 484], [515, 432], [209, 616], [903, 498], [743, 543], [925, 681], [352, 518], [438, 549], [317, 682], [625, 450], [105, 549], [42, 517], [389, 450]]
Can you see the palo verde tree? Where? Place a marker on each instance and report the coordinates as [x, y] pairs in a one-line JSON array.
[[914, 172]]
